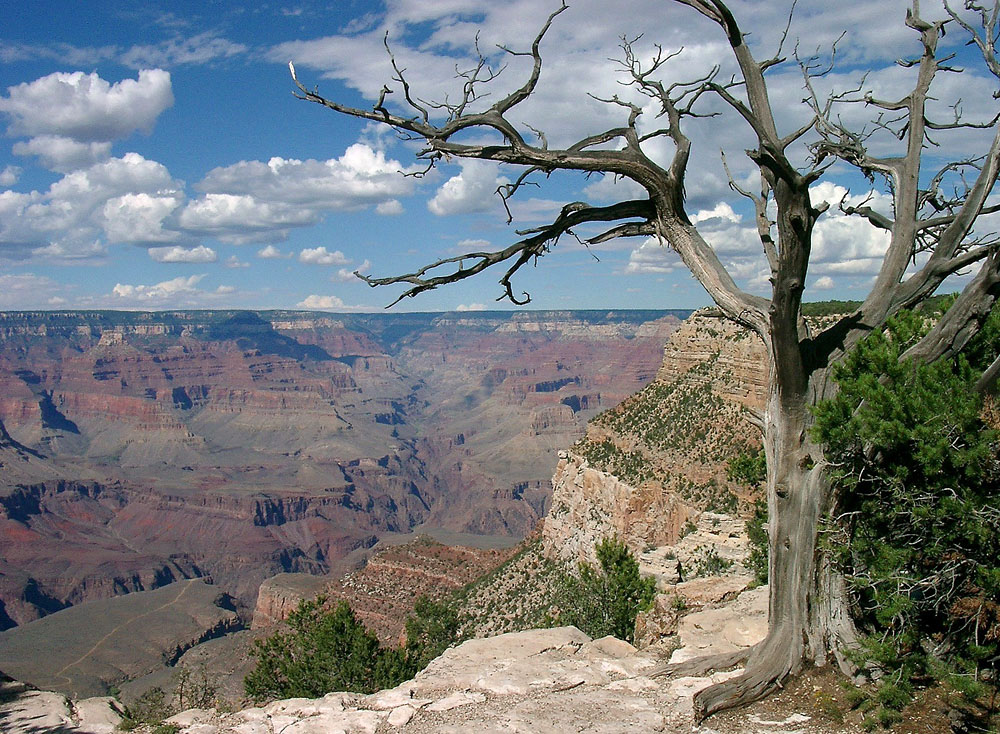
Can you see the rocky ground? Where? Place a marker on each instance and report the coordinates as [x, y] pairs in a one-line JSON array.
[[554, 680]]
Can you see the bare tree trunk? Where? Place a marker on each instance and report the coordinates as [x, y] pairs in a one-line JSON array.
[[809, 621]]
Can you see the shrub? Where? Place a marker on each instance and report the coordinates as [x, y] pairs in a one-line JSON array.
[[749, 468], [433, 627], [150, 709], [605, 601], [916, 472], [322, 650]]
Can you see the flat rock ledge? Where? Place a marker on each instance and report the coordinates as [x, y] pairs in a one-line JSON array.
[[25, 711]]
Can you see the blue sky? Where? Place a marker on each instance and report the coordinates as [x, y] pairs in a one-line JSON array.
[[154, 157]]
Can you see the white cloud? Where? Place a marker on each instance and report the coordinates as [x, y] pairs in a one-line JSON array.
[[391, 208], [225, 290], [177, 291], [347, 276], [124, 199], [30, 291], [86, 108], [823, 283], [234, 262], [720, 212], [472, 190], [139, 217], [360, 177], [321, 256], [253, 201], [652, 257], [271, 253], [62, 154], [322, 303], [240, 219], [198, 49], [471, 307], [9, 175], [199, 254]]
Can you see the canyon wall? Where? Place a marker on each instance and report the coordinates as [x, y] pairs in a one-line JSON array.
[[648, 467], [138, 449]]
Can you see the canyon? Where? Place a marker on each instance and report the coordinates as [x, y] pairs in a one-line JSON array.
[[141, 449]]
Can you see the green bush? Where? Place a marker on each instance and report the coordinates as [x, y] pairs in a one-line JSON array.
[[605, 601], [916, 472], [749, 468], [150, 709], [323, 650], [433, 628]]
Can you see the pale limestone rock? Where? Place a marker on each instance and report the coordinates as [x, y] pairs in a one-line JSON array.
[[724, 629], [34, 711], [190, 717], [98, 715], [401, 716], [456, 699], [589, 505], [401, 695], [711, 590]]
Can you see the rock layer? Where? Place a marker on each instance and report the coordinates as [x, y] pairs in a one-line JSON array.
[[238, 445]]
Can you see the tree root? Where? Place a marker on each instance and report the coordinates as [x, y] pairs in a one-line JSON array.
[[767, 669], [755, 683], [702, 665]]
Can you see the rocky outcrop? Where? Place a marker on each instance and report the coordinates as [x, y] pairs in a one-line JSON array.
[[589, 505], [27, 711], [278, 596], [538, 681], [648, 467], [382, 593]]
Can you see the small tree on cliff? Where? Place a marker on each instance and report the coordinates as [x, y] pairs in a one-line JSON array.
[[929, 226]]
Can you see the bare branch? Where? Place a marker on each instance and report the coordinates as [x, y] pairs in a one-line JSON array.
[[522, 252]]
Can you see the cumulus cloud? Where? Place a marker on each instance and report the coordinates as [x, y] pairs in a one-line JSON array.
[[823, 283], [391, 208], [652, 257], [472, 190], [123, 199], [85, 107], [253, 201], [178, 291], [360, 177], [471, 307], [234, 262], [321, 303], [270, 253], [139, 217], [62, 154], [240, 219], [346, 275], [847, 244], [199, 254], [9, 175], [321, 256]]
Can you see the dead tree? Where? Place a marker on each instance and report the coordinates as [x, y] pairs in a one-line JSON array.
[[931, 236]]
